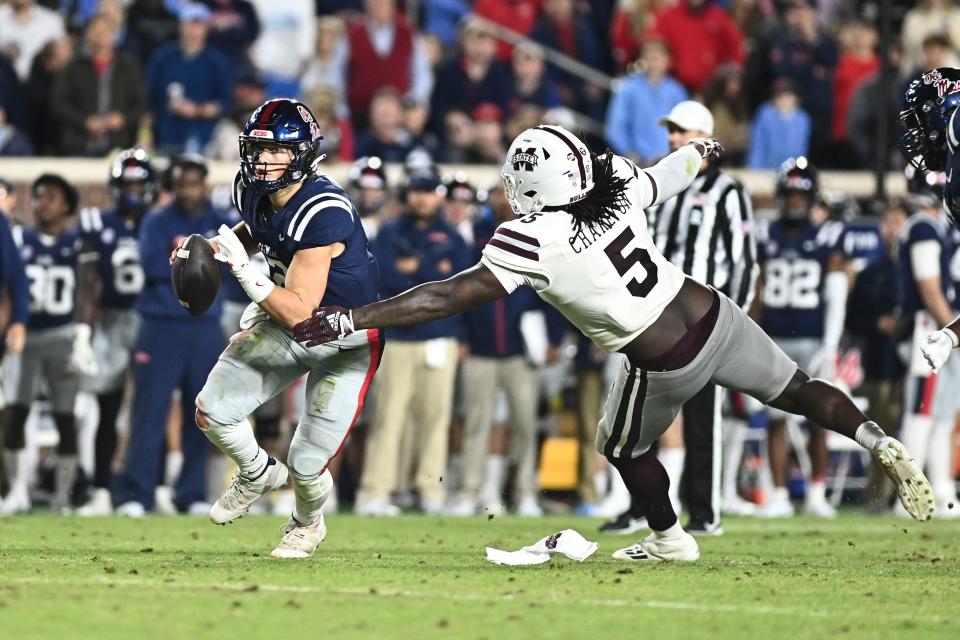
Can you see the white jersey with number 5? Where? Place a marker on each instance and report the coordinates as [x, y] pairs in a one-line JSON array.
[[609, 280]]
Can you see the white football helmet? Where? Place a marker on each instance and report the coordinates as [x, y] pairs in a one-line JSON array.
[[546, 167]]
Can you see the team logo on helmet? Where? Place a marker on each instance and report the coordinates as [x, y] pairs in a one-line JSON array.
[[941, 84], [525, 159]]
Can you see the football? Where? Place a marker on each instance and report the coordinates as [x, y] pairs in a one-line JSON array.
[[196, 275]]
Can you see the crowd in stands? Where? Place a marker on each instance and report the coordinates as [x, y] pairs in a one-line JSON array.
[[785, 77]]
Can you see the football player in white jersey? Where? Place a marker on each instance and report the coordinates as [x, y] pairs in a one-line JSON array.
[[581, 242]]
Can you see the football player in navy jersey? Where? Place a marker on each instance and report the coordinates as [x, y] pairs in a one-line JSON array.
[[930, 144], [174, 351], [110, 263], [804, 291], [56, 348], [312, 237]]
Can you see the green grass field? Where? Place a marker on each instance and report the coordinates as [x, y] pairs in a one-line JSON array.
[[420, 577]]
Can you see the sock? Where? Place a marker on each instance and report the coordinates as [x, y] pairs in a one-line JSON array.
[[647, 481], [733, 436], [869, 435], [310, 495], [675, 531], [672, 460], [66, 473], [15, 463], [106, 439], [601, 482], [817, 491], [938, 462], [453, 476], [238, 442], [173, 466], [492, 490]]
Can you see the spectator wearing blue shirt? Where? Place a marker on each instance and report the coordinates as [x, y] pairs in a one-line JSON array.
[[416, 376], [189, 86], [174, 350], [632, 127], [781, 130]]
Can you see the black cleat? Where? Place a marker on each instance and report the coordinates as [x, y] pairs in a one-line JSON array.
[[625, 524]]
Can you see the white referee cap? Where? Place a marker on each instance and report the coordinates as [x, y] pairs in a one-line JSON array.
[[690, 115]]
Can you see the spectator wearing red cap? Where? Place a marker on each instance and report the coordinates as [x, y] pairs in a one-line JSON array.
[[474, 77], [701, 36], [488, 133]]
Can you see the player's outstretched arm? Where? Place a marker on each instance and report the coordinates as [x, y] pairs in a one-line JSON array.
[[430, 301], [676, 171]]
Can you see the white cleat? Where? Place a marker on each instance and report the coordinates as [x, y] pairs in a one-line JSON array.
[[236, 499], [916, 494], [377, 508], [300, 541], [776, 507], [17, 502], [163, 501], [100, 505], [462, 507], [737, 506], [131, 509], [655, 549], [528, 507], [819, 509]]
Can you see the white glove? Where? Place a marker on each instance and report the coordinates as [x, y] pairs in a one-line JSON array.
[[937, 347], [234, 255], [823, 364], [83, 359]]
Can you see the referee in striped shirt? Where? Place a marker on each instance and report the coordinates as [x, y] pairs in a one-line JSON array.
[[706, 231]]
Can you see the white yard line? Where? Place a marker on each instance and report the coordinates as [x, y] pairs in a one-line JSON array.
[[420, 595]]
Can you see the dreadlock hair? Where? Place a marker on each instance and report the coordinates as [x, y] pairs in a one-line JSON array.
[[606, 200]]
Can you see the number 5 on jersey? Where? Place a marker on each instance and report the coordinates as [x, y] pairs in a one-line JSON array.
[[622, 263]]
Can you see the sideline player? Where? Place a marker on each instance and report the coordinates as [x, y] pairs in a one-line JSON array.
[[582, 243], [110, 263], [312, 237], [57, 348]]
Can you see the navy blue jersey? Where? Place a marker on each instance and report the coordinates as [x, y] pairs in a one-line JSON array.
[[113, 242], [951, 190], [795, 267], [318, 215], [860, 243], [922, 227], [51, 264]]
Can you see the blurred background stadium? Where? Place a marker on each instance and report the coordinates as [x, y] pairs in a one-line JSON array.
[[418, 101]]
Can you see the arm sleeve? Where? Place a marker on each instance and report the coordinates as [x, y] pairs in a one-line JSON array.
[[668, 177], [155, 248], [925, 259], [836, 288], [15, 275]]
